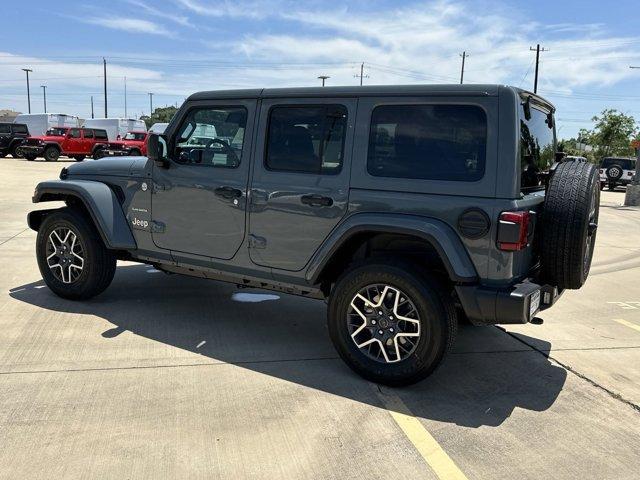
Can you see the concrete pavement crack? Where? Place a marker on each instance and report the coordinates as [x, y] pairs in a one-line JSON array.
[[582, 376], [11, 238]]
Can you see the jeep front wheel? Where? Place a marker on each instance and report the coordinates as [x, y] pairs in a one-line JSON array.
[[51, 154], [72, 259], [389, 323]]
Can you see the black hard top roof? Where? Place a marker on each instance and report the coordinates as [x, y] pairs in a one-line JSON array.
[[357, 91]]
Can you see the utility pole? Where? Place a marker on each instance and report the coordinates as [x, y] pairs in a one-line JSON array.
[[537, 50], [44, 92], [632, 196], [125, 97], [323, 78], [104, 65], [92, 106], [27, 70], [464, 55], [362, 75], [150, 104]]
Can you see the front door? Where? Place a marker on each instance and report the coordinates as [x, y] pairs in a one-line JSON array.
[[300, 187], [199, 201], [73, 142]]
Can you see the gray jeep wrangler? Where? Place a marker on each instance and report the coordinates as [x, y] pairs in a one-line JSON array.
[[406, 208]]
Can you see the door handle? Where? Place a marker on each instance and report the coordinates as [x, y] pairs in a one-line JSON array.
[[316, 200], [228, 192]]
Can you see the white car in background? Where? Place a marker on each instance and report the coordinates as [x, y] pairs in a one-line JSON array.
[[616, 171]]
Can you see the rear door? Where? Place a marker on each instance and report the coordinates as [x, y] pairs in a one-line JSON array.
[[88, 141], [300, 185]]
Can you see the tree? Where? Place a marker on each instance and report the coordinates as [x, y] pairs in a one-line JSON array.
[[612, 134], [159, 115]]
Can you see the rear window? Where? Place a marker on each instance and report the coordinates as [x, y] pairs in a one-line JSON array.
[[431, 142], [625, 163], [20, 129], [537, 147]]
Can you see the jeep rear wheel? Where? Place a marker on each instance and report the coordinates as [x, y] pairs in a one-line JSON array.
[[31, 158], [570, 217], [79, 158], [135, 153], [51, 153], [72, 259], [389, 323], [99, 153]]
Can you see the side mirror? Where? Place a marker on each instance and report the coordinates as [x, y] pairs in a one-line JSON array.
[[157, 150]]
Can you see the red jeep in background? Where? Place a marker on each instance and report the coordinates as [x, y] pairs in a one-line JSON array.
[[72, 142], [132, 144]]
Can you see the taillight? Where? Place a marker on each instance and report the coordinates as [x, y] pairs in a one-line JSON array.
[[513, 231]]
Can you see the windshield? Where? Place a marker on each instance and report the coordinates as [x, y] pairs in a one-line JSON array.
[[625, 163], [537, 147], [56, 132], [135, 136]]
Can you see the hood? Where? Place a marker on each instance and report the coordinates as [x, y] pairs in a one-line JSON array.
[[111, 166]]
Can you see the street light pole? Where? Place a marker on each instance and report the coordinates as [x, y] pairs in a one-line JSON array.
[[44, 92], [150, 104], [323, 78], [27, 70]]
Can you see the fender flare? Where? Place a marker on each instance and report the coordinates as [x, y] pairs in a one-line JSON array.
[[98, 146], [440, 235], [99, 200]]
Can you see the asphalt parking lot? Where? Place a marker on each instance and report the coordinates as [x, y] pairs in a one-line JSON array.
[[174, 377]]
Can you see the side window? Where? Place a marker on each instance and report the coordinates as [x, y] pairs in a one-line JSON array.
[[88, 133], [212, 136], [5, 128], [306, 139], [74, 133], [537, 148], [101, 134], [21, 129], [430, 142]]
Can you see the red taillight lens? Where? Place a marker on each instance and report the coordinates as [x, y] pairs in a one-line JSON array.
[[513, 231]]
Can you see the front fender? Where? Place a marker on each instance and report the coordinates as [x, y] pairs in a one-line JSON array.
[[440, 235], [101, 203]]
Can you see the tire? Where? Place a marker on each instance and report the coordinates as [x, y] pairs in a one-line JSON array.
[[51, 153], [136, 153], [614, 172], [97, 267], [16, 152], [611, 187], [570, 220], [98, 154], [31, 158], [79, 158], [435, 310]]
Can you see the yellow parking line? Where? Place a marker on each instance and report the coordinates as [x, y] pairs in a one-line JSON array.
[[427, 446], [627, 324]]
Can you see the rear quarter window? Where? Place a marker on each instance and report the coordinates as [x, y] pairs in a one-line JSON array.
[[22, 129], [430, 142]]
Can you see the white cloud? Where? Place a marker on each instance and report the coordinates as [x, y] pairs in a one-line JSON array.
[[131, 25], [165, 15]]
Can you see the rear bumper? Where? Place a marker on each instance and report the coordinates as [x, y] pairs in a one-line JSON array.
[[517, 304]]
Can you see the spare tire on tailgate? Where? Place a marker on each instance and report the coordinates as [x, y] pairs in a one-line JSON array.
[[570, 221]]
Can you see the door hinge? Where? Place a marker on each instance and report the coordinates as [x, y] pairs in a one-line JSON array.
[[257, 242]]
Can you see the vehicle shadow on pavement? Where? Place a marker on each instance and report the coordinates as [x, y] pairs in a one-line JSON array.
[[488, 375]]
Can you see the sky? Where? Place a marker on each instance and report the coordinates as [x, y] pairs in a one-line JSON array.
[[173, 48]]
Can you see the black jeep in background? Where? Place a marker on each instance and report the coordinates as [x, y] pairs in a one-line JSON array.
[[11, 137]]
